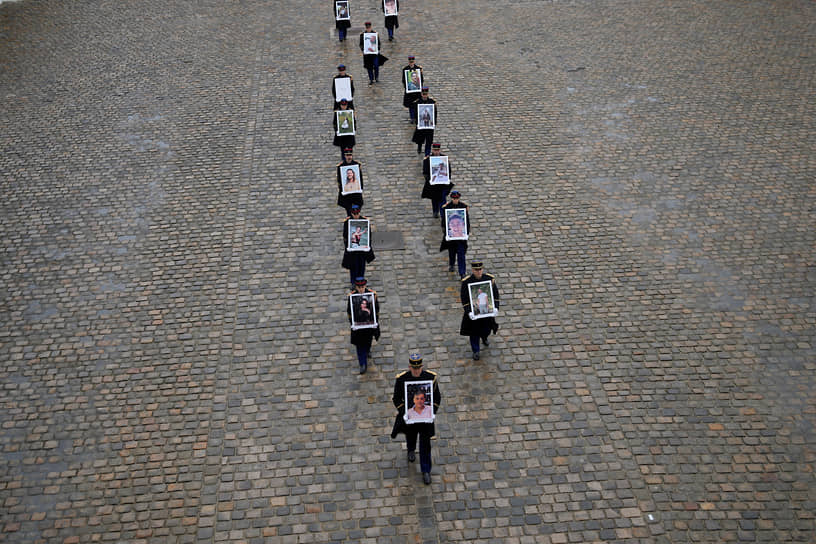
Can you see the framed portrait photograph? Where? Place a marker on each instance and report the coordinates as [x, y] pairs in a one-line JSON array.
[[359, 235], [419, 402], [371, 43], [425, 116], [342, 89], [440, 174], [390, 7], [345, 122], [341, 10], [363, 311], [413, 80], [456, 224], [481, 300], [350, 179]]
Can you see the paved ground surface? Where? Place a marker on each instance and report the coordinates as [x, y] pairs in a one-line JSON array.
[[174, 351]]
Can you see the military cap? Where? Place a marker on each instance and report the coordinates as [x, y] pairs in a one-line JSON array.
[[415, 360]]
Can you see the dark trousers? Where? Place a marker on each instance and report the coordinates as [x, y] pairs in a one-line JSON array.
[[362, 354], [428, 135], [456, 252], [342, 33], [474, 343], [374, 73], [436, 203], [411, 434]]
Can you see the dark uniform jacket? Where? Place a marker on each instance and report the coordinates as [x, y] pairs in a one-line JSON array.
[[434, 192], [477, 327], [399, 401], [363, 337], [349, 255], [420, 133], [449, 205], [345, 201]]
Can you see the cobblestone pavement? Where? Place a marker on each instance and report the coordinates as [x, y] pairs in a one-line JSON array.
[[174, 351]]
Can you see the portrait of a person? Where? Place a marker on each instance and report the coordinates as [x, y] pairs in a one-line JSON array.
[[363, 313], [351, 183], [342, 10], [425, 118], [440, 173], [482, 301], [413, 81], [356, 236], [371, 44], [345, 122], [456, 226], [390, 7], [420, 410]]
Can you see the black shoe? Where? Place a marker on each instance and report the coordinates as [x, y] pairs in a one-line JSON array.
[[485, 341], [363, 369], [390, 38], [377, 80], [371, 82], [411, 457], [426, 478], [475, 355], [436, 215], [419, 149]]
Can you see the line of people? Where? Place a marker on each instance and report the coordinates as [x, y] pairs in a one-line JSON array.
[[416, 391]]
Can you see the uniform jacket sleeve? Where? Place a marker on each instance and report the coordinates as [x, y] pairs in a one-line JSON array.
[[399, 395]]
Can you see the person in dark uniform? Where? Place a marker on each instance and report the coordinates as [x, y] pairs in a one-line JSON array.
[[424, 135], [391, 21], [424, 431], [456, 248], [438, 193], [362, 338], [346, 141], [342, 25], [477, 329], [341, 72], [371, 61], [355, 261], [409, 99], [346, 201]]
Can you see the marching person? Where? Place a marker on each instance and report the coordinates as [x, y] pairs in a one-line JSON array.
[[346, 201], [456, 248], [391, 10], [342, 20], [424, 135], [372, 59], [346, 141], [341, 73], [413, 82], [423, 431], [436, 192], [477, 329], [355, 261], [362, 338]]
